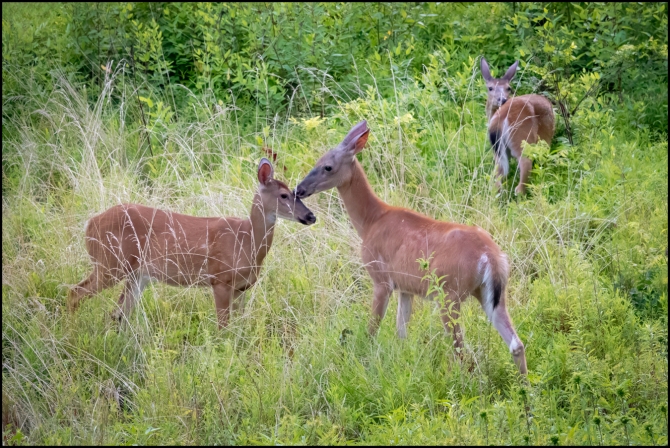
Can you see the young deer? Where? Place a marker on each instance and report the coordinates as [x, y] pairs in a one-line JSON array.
[[394, 238], [511, 121], [139, 244]]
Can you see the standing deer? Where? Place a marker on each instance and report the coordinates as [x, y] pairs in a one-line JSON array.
[[394, 238], [139, 244], [511, 121]]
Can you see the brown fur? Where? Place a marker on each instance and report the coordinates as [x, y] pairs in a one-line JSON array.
[[394, 238], [138, 243], [513, 120]]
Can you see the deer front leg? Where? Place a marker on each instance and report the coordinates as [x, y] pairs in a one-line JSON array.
[[237, 302], [404, 313], [93, 284], [132, 291], [381, 292], [449, 312], [525, 165], [223, 293]]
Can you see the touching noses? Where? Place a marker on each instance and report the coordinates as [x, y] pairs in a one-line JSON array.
[[300, 192], [309, 219]]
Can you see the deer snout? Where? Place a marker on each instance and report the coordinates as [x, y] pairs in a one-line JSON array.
[[503, 101], [309, 219], [301, 192]]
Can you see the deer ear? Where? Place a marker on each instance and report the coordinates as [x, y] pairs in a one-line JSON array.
[[509, 74], [359, 144], [486, 73], [265, 171], [356, 138]]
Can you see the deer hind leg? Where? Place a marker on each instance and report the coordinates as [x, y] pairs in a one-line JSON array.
[[502, 165], [132, 291], [525, 165], [502, 322], [382, 291], [497, 314], [404, 313], [526, 131], [89, 287]]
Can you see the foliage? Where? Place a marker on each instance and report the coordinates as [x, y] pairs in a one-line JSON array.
[[575, 50], [281, 55]]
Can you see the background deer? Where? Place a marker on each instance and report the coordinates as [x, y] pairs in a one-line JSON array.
[[139, 244], [513, 120], [395, 237]]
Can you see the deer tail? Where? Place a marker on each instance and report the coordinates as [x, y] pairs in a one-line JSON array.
[[494, 272], [499, 150]]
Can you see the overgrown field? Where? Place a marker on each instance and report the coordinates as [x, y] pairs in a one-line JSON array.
[[588, 289]]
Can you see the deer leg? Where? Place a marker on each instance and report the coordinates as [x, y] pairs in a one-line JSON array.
[[223, 293], [132, 291], [404, 313], [502, 322], [502, 165], [380, 302], [498, 177], [88, 287], [238, 301], [525, 165], [449, 313]]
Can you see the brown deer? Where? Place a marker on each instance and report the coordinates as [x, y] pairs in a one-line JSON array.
[[511, 121], [140, 244], [394, 238]]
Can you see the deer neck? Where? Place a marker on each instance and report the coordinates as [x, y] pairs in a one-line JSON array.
[[262, 229], [362, 205], [490, 109]]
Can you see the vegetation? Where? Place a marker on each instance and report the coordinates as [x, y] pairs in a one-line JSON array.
[[170, 104]]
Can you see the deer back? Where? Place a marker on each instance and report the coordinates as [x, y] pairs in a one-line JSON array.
[[175, 248]]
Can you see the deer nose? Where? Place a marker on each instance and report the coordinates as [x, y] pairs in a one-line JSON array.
[[300, 192], [503, 101], [309, 219]]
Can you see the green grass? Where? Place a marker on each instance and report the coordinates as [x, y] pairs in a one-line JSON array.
[[171, 377], [587, 291]]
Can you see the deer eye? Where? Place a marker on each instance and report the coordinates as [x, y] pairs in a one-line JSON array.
[[490, 88], [284, 196], [509, 89], [327, 168]]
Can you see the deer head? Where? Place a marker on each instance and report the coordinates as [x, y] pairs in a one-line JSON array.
[[277, 198], [498, 89], [334, 168]]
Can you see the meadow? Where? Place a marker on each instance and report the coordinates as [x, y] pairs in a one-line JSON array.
[[143, 123]]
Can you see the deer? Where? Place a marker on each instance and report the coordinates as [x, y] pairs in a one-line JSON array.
[[395, 238], [513, 120], [138, 244]]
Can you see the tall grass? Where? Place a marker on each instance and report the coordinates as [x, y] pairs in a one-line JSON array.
[[286, 370]]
